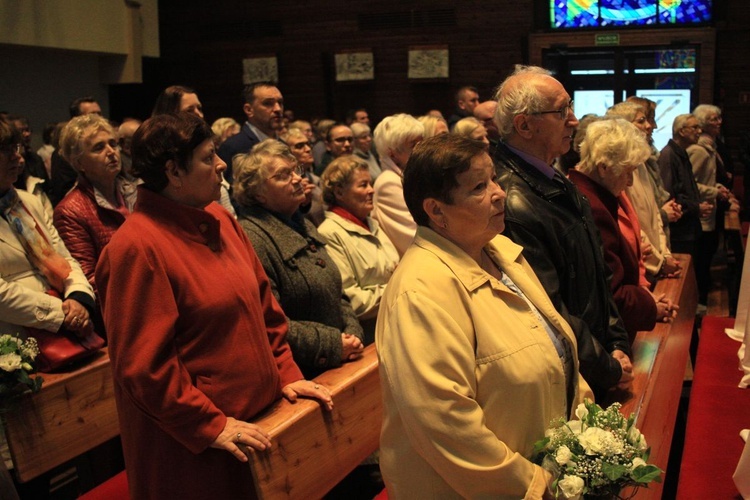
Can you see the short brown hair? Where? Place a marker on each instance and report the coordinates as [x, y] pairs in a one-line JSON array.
[[433, 169], [162, 138]]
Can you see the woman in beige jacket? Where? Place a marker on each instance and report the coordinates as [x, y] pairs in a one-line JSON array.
[[474, 359]]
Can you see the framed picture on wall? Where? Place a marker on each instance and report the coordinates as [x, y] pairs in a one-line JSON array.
[[428, 62], [354, 65], [260, 69]]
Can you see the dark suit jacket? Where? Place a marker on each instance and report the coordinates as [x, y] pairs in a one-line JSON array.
[[239, 143]]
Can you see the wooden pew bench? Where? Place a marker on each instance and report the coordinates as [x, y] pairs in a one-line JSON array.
[[659, 361], [73, 413]]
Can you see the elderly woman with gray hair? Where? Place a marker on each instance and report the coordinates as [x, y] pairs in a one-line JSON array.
[[323, 329], [395, 138], [610, 153], [103, 196], [643, 194], [361, 250], [710, 175]]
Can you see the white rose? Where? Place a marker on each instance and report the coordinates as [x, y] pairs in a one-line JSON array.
[[595, 440], [563, 455], [637, 439], [637, 462], [10, 362], [571, 487], [575, 426], [581, 411]]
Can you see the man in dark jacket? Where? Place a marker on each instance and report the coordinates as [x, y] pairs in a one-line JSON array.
[[264, 108], [546, 214]]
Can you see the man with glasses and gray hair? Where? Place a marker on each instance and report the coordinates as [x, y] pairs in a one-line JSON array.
[[546, 215]]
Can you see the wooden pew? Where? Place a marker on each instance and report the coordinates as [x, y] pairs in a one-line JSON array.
[[73, 413], [659, 360], [313, 449]]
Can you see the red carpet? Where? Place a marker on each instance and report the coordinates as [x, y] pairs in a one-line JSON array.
[[115, 488], [718, 411]]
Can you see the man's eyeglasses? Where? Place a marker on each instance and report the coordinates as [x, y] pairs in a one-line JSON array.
[[10, 150], [563, 112], [342, 140], [287, 174]]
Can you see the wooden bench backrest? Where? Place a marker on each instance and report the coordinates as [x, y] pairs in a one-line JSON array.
[[73, 413], [313, 449], [659, 361]]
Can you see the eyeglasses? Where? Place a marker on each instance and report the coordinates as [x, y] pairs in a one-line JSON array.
[[692, 127], [342, 140], [287, 174], [301, 145], [10, 150], [563, 112]]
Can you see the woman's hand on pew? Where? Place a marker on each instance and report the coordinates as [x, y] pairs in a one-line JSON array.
[[236, 433], [627, 369], [308, 389]]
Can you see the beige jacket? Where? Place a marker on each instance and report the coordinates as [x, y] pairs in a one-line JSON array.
[[470, 378], [366, 260], [643, 199], [23, 287]]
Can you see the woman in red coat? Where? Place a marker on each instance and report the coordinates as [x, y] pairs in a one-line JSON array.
[[610, 152], [197, 340]]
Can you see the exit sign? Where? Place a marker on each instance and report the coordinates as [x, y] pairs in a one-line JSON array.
[[607, 39]]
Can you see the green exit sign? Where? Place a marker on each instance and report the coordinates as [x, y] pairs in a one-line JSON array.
[[607, 39]]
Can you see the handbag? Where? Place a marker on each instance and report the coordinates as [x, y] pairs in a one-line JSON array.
[[59, 349]]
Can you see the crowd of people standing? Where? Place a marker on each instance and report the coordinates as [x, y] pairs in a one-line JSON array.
[[227, 267]]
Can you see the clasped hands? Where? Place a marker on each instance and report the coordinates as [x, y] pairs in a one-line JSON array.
[[76, 316]]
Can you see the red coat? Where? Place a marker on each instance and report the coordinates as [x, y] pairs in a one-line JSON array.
[[195, 336], [635, 303], [86, 225]]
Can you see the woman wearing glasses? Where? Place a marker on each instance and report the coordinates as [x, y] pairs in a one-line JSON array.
[[41, 285], [323, 329]]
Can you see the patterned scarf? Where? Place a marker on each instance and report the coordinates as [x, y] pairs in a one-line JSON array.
[[30, 234]]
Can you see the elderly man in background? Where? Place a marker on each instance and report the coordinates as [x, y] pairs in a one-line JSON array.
[[395, 138], [547, 215], [467, 99], [485, 113], [677, 174], [264, 108]]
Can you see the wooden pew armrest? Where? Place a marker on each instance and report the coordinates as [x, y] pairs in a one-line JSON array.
[[313, 449]]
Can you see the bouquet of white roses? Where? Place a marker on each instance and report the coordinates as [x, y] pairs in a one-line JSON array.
[[597, 455], [16, 365]]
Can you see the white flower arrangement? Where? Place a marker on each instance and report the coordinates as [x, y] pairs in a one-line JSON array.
[[16, 365], [596, 455]]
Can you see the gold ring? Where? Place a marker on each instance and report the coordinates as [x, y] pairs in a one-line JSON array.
[[317, 386], [239, 435]]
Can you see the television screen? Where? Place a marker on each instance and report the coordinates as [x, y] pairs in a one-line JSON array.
[[606, 13]]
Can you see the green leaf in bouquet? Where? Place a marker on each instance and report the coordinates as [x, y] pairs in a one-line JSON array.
[[647, 473], [613, 471], [539, 447]]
